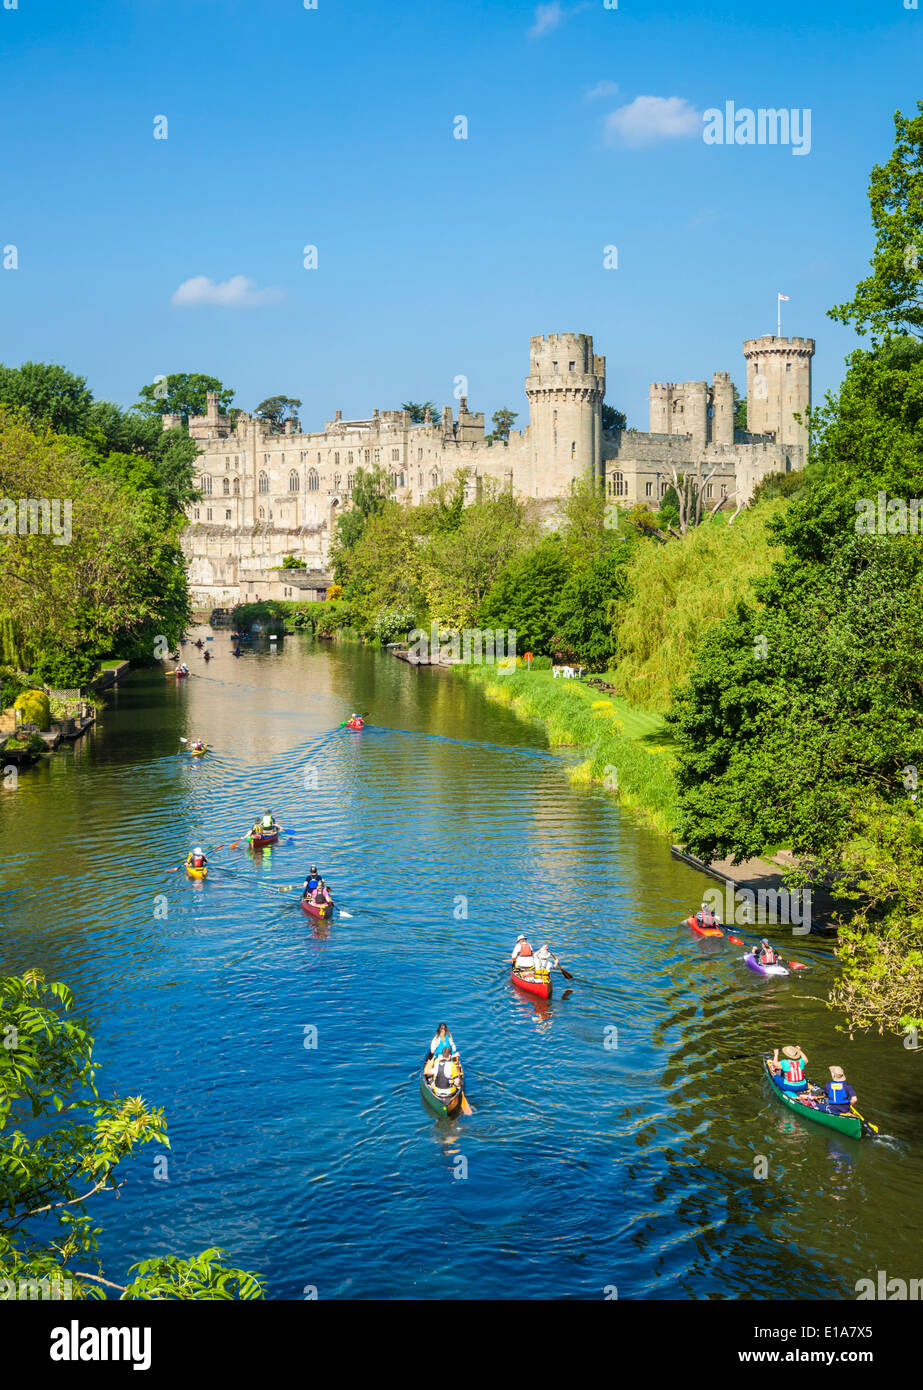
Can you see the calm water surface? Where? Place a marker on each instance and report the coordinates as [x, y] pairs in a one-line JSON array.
[[588, 1166]]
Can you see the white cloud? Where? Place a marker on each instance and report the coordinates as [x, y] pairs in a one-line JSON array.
[[236, 293], [602, 89], [647, 119], [547, 17]]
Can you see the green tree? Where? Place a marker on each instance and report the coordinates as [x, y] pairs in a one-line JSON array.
[[613, 420], [460, 566], [890, 300], [183, 393], [61, 1144], [526, 595], [47, 394], [503, 422], [371, 490], [277, 409], [417, 411], [740, 411]]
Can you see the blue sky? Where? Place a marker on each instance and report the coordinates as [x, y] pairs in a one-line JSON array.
[[437, 257]]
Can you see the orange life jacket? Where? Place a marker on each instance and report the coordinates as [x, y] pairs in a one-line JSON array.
[[794, 1072]]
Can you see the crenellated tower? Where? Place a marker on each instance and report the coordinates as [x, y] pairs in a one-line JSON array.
[[565, 386], [779, 387]]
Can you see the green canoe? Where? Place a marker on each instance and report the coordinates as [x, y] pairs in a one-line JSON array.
[[443, 1105], [847, 1124]]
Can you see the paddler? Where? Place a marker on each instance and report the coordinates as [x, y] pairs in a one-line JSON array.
[[311, 882], [706, 918], [767, 955], [441, 1039], [445, 1073], [522, 957], [544, 960], [198, 746], [839, 1094], [788, 1073], [197, 859]]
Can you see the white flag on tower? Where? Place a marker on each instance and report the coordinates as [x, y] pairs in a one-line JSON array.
[[779, 313]]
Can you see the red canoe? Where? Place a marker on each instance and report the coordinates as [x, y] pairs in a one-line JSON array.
[[541, 987], [703, 931], [358, 724], [317, 909], [260, 841]]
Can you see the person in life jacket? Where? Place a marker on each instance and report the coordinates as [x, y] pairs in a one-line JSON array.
[[766, 955], [445, 1073], [788, 1073], [544, 960], [311, 882], [268, 825], [197, 859], [321, 894], [198, 746], [522, 957], [706, 918], [840, 1095], [442, 1039]]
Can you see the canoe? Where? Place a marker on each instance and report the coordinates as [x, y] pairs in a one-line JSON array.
[[197, 873], [317, 909], [260, 841], [358, 724], [847, 1124], [197, 752], [703, 931], [538, 985], [181, 675], [443, 1105], [751, 960]]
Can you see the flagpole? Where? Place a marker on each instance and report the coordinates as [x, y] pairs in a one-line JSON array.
[[778, 315]]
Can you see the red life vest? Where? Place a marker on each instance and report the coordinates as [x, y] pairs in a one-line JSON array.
[[767, 956], [794, 1072], [523, 949]]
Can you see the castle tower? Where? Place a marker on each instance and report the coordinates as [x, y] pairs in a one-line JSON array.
[[565, 387], [779, 386], [722, 410]]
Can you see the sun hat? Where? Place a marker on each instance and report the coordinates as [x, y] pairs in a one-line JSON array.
[[791, 1051], [837, 1074]]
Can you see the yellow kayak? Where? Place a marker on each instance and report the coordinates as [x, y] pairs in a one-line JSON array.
[[196, 873], [197, 752]]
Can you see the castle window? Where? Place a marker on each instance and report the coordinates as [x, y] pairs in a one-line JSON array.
[[395, 455], [573, 450], [196, 513], [419, 480], [378, 456], [206, 485], [227, 487], [336, 458], [619, 486], [266, 460], [208, 514], [282, 460], [570, 366], [227, 514], [394, 480], [648, 489], [663, 489], [264, 482], [349, 457], [434, 478], [708, 490], [227, 463], [402, 480], [349, 482], [336, 482], [554, 366], [318, 455], [236, 487], [262, 513], [304, 455], [724, 489], [419, 453], [293, 481], [788, 366], [313, 480], [368, 455]]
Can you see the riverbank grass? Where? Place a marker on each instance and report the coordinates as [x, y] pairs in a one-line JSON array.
[[628, 750]]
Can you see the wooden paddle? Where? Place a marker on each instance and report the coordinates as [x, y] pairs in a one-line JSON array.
[[566, 973], [465, 1107]]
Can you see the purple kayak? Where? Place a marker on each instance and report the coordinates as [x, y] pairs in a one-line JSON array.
[[751, 960]]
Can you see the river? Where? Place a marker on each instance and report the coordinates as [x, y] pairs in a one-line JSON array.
[[617, 1130]]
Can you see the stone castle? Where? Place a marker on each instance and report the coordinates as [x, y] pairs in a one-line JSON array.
[[269, 493]]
